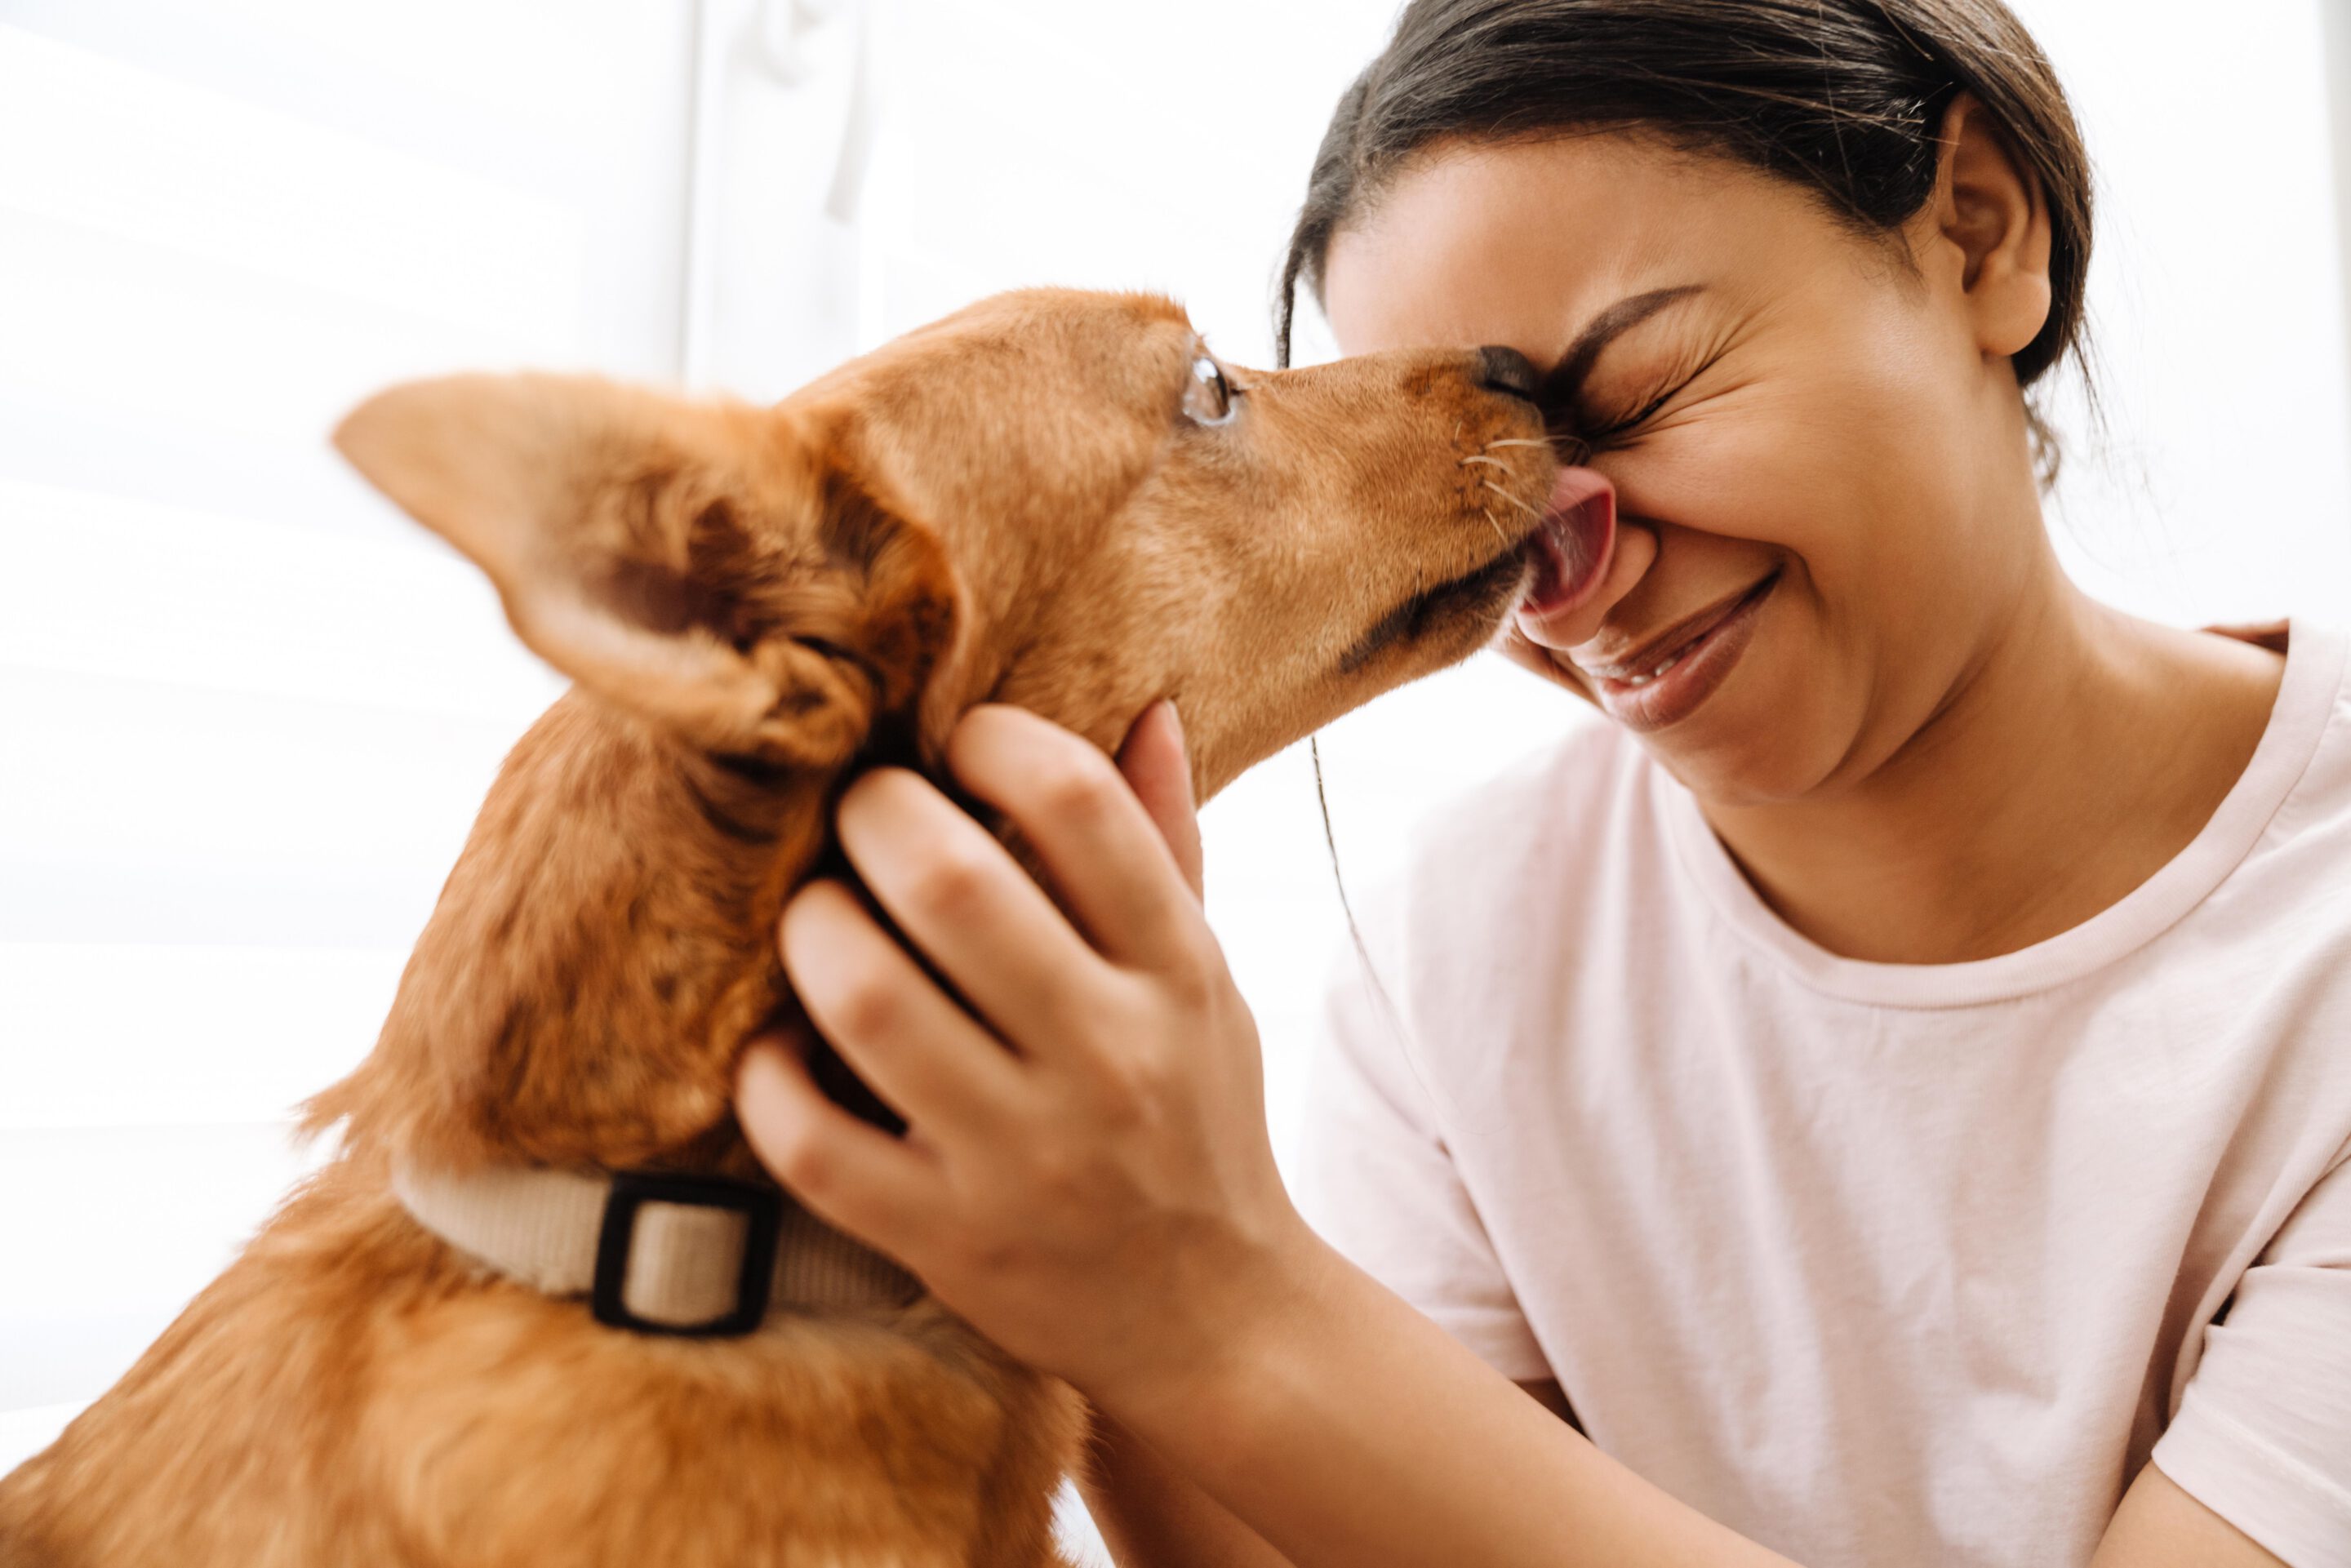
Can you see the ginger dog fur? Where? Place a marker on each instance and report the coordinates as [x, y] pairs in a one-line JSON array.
[[1009, 505]]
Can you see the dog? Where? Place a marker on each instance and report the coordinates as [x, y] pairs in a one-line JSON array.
[[1053, 498]]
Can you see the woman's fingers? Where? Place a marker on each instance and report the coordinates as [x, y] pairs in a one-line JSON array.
[[965, 905], [849, 1173], [924, 1055], [1153, 761], [1117, 875]]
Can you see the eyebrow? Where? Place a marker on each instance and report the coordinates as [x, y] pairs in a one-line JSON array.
[[1559, 389]]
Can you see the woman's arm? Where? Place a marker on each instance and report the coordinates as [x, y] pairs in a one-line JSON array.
[[1153, 1516], [1352, 1430], [2160, 1526]]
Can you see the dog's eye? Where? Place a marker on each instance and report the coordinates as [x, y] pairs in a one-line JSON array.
[[1208, 397]]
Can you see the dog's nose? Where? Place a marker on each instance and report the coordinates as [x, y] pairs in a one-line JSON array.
[[1508, 371]]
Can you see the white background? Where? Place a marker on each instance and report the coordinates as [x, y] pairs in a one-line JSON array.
[[246, 713]]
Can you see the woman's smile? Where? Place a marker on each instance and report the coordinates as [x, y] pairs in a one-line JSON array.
[[1670, 675]]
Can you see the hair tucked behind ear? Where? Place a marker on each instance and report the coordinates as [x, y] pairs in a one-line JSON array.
[[1844, 97]]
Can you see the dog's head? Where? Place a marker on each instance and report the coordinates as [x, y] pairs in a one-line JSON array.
[[1053, 499]]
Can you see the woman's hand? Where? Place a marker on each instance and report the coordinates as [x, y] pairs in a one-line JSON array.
[[1086, 1175]]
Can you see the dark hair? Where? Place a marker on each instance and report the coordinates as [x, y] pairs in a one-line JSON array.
[[1845, 98]]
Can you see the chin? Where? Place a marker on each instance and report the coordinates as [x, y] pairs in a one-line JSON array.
[[1738, 782], [1752, 750]]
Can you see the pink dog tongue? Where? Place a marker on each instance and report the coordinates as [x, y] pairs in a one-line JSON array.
[[1578, 536]]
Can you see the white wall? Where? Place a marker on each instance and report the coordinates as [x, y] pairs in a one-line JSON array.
[[2216, 294]]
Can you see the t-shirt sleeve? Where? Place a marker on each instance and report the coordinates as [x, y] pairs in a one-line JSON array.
[[2264, 1433], [1380, 1185]]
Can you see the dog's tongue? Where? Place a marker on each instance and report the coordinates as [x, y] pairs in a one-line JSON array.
[[1573, 547]]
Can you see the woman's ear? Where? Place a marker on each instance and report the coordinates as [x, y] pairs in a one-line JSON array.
[[704, 565], [1990, 209]]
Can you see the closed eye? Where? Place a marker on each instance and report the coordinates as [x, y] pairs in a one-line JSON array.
[[1593, 435], [1600, 432]]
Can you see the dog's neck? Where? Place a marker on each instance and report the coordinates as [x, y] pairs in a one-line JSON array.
[[603, 947]]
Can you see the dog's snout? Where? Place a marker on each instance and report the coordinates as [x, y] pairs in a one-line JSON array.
[[1509, 371]]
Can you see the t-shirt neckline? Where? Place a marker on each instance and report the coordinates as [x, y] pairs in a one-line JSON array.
[[2298, 718]]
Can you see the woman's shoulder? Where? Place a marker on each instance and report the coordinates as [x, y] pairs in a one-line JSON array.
[[2299, 780]]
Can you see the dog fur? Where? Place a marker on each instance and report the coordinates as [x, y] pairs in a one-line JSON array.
[[1008, 505]]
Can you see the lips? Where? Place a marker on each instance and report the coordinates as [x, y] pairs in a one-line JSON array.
[[1572, 548], [1668, 648], [1671, 677]]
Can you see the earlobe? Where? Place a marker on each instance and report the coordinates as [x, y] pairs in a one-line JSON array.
[[1991, 209], [703, 566]]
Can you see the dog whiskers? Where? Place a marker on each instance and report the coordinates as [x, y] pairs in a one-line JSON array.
[[1490, 462], [1571, 449], [1495, 522], [1533, 512]]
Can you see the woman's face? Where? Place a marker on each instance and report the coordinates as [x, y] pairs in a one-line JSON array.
[[1822, 469]]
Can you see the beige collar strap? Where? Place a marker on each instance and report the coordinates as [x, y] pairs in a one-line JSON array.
[[654, 1252]]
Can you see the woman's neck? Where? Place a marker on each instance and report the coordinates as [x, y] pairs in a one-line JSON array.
[[2082, 753]]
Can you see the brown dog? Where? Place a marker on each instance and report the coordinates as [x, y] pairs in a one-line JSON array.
[[1053, 499]]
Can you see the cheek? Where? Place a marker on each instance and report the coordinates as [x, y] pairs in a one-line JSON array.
[[1852, 463], [1865, 482]]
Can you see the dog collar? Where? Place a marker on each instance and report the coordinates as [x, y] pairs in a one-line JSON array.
[[654, 1252]]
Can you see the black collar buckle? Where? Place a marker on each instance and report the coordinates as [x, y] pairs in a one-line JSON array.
[[762, 1208]]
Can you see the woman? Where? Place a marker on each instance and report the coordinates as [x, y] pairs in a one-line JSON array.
[[1886, 1088]]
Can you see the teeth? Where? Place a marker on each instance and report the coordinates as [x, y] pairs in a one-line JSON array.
[[1644, 678]]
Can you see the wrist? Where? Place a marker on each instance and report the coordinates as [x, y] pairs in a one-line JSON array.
[[1240, 1338]]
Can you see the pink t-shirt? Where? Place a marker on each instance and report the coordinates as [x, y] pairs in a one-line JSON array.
[[1877, 1264]]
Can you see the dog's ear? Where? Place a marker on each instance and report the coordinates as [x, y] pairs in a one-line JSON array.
[[706, 566]]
